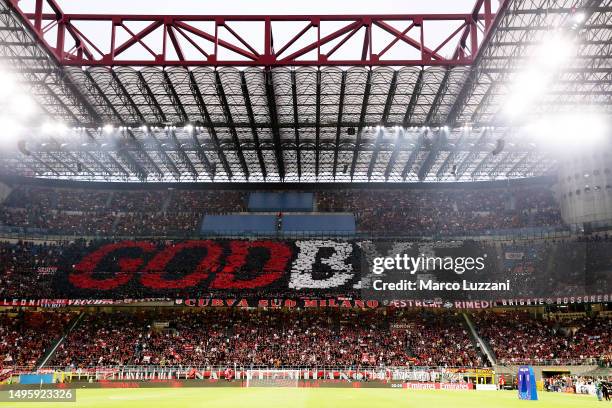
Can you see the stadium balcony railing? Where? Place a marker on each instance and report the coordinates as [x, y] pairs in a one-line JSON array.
[[503, 235], [201, 367], [558, 362]]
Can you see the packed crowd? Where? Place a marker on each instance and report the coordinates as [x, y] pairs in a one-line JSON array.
[[519, 338], [25, 336], [273, 338], [445, 212], [106, 212], [225, 268], [179, 212], [299, 338]]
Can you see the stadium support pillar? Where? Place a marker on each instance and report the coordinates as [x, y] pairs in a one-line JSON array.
[[584, 188]]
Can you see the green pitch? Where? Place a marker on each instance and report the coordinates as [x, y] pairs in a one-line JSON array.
[[311, 397]]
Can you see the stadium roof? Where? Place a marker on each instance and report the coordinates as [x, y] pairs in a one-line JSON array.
[[145, 99]]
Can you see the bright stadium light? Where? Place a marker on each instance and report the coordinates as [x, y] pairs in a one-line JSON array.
[[108, 128], [527, 87], [22, 106], [578, 17], [555, 50], [10, 128], [188, 128], [569, 132], [7, 85], [61, 127], [48, 127]]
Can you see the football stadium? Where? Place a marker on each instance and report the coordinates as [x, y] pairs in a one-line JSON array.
[[306, 204]]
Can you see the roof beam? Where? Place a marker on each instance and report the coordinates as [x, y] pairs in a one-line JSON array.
[[180, 109], [61, 163], [112, 108], [182, 154], [364, 109], [451, 156], [132, 164], [416, 92], [230, 123], [296, 123], [176, 101], [170, 165], [45, 164], [399, 143], [249, 108], [518, 164], [385, 115], [150, 97], [195, 90], [475, 71], [339, 125], [481, 165], [124, 94], [494, 171], [413, 155], [317, 123], [271, 96], [440, 138], [472, 154], [379, 137]]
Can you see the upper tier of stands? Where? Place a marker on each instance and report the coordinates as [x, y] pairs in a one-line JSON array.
[[178, 212]]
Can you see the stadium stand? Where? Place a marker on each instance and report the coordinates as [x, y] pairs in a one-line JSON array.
[[519, 338], [301, 338], [179, 212], [25, 336], [274, 338]]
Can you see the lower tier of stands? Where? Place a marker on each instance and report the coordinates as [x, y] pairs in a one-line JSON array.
[[381, 337]]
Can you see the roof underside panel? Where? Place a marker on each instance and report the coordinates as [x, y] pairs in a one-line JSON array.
[[334, 123]]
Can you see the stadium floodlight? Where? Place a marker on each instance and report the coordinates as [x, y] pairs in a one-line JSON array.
[[48, 127], [527, 87], [7, 85], [555, 50], [578, 17], [11, 132], [108, 128], [188, 128], [569, 132], [22, 106]]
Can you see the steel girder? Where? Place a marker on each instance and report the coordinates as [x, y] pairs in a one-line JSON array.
[[191, 40], [314, 108]]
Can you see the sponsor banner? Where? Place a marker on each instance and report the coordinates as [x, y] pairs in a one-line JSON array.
[[335, 302], [486, 387], [439, 386], [278, 303], [148, 373], [56, 303]]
